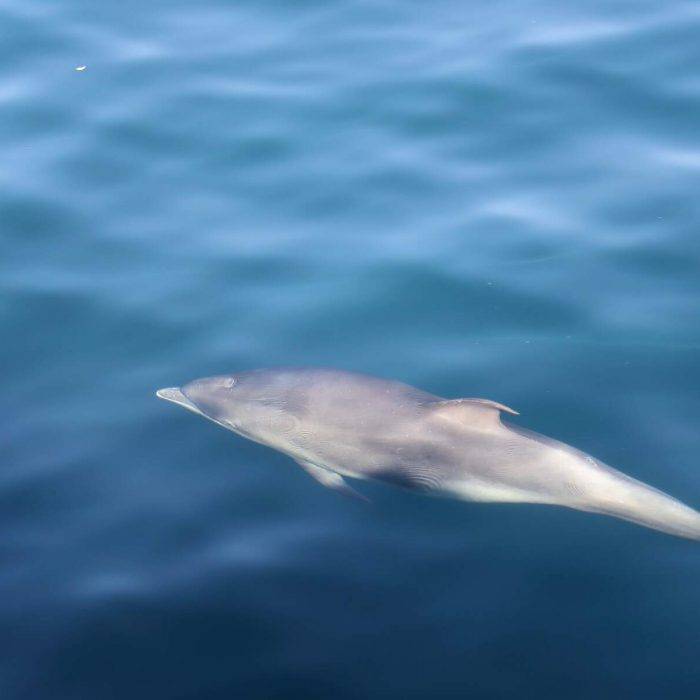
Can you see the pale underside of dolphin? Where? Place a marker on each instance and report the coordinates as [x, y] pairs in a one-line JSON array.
[[338, 424]]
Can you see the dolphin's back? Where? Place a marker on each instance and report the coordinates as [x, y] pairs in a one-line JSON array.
[[327, 399], [337, 390]]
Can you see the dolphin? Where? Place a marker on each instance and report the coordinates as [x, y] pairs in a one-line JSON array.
[[339, 424]]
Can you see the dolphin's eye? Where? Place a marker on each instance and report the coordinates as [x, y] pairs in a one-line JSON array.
[[229, 382]]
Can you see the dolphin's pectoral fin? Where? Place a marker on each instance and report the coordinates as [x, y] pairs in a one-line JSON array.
[[330, 479], [476, 412]]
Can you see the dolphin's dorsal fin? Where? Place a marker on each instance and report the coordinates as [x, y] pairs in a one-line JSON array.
[[482, 413]]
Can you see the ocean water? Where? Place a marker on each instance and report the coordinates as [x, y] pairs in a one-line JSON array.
[[480, 199]]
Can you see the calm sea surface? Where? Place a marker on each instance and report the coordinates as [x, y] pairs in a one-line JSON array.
[[481, 199]]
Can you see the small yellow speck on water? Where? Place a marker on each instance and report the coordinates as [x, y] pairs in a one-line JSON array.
[[81, 68]]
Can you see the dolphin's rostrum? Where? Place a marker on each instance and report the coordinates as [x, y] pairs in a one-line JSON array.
[[339, 424]]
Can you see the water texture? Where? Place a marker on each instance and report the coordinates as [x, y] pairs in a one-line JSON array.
[[481, 199]]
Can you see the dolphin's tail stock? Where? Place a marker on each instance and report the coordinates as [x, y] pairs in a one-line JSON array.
[[633, 500]]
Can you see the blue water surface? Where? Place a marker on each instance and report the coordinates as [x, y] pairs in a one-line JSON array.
[[481, 199]]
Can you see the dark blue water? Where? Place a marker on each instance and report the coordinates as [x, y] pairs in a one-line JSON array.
[[481, 199]]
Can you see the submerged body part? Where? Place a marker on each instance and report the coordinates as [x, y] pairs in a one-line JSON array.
[[338, 424]]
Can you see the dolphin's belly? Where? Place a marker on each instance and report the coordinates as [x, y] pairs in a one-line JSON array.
[[469, 465], [406, 449], [401, 455]]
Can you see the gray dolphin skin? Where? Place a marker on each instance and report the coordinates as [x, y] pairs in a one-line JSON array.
[[338, 424]]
